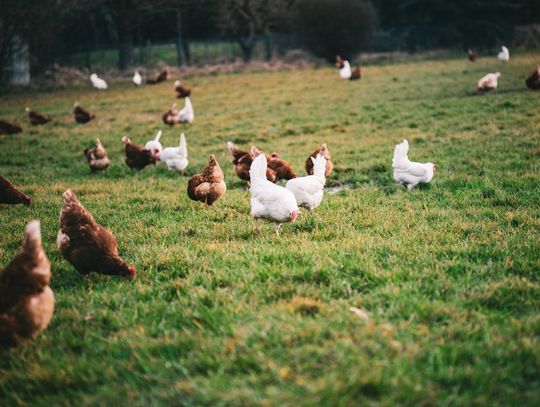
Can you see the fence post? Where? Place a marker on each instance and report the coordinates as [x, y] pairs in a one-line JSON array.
[[180, 54]]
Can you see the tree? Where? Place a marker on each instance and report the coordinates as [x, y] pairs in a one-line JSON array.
[[331, 27]]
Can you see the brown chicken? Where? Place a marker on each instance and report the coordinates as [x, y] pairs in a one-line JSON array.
[[97, 157], [340, 62], [322, 150], [170, 117], [136, 156], [242, 163], [472, 55], [162, 77], [88, 246], [208, 186], [281, 167], [9, 128], [533, 81], [82, 116], [37, 118], [181, 90], [356, 73], [26, 300], [9, 194]]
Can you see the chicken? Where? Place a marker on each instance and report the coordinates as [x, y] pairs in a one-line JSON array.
[[488, 82], [97, 157], [356, 73], [97, 82], [137, 79], [9, 128], [322, 150], [37, 118], [26, 300], [281, 167], [533, 81], [181, 90], [9, 194], [268, 200], [504, 55], [176, 157], [82, 116], [88, 246], [309, 190], [340, 62], [345, 71], [410, 173], [154, 146], [170, 117], [242, 162], [472, 55], [162, 77], [208, 186], [186, 115], [136, 156]]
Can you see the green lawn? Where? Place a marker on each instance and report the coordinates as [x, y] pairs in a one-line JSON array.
[[449, 273]]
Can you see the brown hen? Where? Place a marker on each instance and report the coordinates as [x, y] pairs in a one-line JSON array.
[[37, 118], [322, 150], [137, 157], [97, 157], [9, 194], [82, 116], [242, 163], [208, 186]]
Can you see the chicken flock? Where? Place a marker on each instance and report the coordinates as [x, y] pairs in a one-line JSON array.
[[26, 300]]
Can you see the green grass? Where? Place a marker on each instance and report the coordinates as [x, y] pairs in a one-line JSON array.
[[217, 316]]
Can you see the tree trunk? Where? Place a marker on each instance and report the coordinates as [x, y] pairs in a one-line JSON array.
[[246, 46], [180, 49], [125, 46]]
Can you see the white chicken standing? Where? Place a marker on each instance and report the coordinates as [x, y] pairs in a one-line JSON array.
[[154, 146], [97, 82], [137, 78], [410, 173], [488, 82], [176, 157], [345, 72], [309, 190], [186, 115], [504, 55], [268, 200]]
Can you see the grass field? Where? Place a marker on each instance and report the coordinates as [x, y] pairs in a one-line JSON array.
[[449, 273]]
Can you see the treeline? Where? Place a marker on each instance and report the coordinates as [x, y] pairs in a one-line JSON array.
[[323, 27]]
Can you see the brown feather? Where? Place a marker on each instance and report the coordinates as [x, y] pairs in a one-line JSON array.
[[9, 194], [208, 186], [136, 156], [9, 128], [97, 157], [322, 150], [82, 116]]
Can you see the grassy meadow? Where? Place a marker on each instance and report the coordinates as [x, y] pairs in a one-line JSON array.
[[448, 273]]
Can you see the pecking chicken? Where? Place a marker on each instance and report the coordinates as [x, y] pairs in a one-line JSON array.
[[268, 200], [533, 81], [281, 167], [97, 82], [181, 90], [37, 118], [472, 55], [9, 194], [322, 150], [208, 186], [162, 77], [82, 116], [154, 146], [97, 157], [410, 173], [136, 156], [176, 157], [9, 128], [309, 190], [170, 117], [242, 162], [88, 246], [488, 82], [26, 300]]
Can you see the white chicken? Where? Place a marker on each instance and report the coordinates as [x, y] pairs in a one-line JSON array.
[[309, 190], [176, 157], [504, 55], [154, 146], [488, 82], [97, 82], [186, 115], [137, 78], [268, 200], [345, 72], [410, 173]]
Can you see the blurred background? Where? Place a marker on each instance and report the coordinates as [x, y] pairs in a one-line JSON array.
[[51, 38]]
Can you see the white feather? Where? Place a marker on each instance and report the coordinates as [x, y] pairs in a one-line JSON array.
[[154, 146], [504, 55], [489, 81], [309, 190], [410, 173], [176, 157], [345, 72], [186, 115], [97, 82], [137, 79]]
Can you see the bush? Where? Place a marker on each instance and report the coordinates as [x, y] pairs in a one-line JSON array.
[[330, 27]]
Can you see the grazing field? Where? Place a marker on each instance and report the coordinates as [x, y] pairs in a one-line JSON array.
[[448, 273]]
